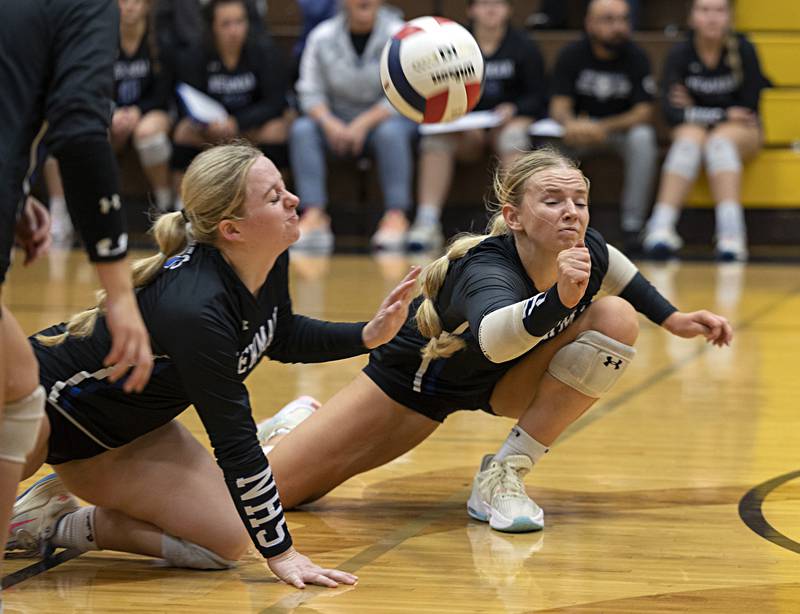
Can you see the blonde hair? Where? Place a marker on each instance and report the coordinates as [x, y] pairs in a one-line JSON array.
[[509, 185], [213, 189]]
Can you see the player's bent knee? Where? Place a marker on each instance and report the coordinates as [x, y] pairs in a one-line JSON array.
[[592, 363], [181, 553], [154, 149], [722, 156], [615, 317], [19, 426], [513, 139]]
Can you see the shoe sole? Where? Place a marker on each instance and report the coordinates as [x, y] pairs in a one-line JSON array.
[[519, 524]]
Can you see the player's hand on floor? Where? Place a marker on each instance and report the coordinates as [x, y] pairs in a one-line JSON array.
[[716, 329], [298, 570], [392, 313]]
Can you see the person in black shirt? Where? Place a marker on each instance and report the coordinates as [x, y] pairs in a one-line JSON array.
[[141, 91], [55, 89], [711, 90], [603, 95], [508, 323], [246, 74], [514, 88], [215, 300]]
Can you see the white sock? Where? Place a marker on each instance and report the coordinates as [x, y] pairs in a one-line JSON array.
[[163, 199], [519, 442], [76, 530], [730, 220], [427, 215], [664, 217]]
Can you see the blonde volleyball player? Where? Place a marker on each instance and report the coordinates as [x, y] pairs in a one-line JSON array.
[[215, 300], [508, 323]]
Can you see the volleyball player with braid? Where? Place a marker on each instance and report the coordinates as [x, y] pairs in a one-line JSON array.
[[509, 323], [215, 300], [711, 90]]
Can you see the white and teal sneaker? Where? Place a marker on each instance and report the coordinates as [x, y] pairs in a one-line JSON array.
[[499, 498], [287, 418], [36, 514]]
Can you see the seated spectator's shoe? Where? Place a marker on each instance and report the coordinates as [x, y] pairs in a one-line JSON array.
[[287, 418], [732, 249], [391, 234], [425, 238], [61, 229], [36, 514], [661, 244], [315, 241]]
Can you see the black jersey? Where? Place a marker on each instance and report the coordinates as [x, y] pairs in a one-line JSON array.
[[141, 79], [515, 73], [713, 90], [56, 60], [489, 277], [254, 91], [207, 332], [602, 88]]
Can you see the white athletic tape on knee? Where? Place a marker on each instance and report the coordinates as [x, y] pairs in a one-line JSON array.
[[513, 139], [19, 426], [592, 363], [439, 142], [180, 553], [684, 159], [154, 149], [722, 156]]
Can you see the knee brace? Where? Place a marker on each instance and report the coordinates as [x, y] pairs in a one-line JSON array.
[[439, 142], [513, 139], [683, 159], [19, 426], [592, 363], [180, 553], [153, 150], [722, 156]]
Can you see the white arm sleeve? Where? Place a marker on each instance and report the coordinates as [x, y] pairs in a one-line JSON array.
[[502, 335], [620, 272]]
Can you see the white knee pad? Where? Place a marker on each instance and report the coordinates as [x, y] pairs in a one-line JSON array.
[[592, 363], [154, 149], [722, 156], [439, 142], [180, 553], [513, 139], [19, 426], [683, 159]]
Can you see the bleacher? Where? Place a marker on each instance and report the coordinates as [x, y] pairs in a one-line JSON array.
[[769, 194]]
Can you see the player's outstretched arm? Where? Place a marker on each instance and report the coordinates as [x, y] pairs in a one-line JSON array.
[[298, 570], [392, 313], [713, 327]]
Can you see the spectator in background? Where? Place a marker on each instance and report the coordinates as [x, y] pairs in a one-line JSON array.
[[179, 24], [712, 85], [552, 15], [314, 12], [514, 88], [246, 74], [346, 113], [141, 96], [603, 95]]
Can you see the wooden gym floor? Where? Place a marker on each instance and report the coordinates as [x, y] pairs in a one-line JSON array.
[[678, 492]]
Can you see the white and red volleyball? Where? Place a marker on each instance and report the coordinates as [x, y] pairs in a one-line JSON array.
[[432, 70]]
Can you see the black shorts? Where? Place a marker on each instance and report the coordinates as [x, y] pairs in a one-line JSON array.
[[67, 441], [436, 407]]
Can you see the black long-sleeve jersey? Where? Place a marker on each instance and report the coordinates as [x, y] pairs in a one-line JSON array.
[[56, 59], [515, 73], [208, 332], [489, 277], [141, 79], [713, 90], [254, 91], [602, 88]]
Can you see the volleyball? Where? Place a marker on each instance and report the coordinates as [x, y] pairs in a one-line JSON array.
[[432, 70]]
